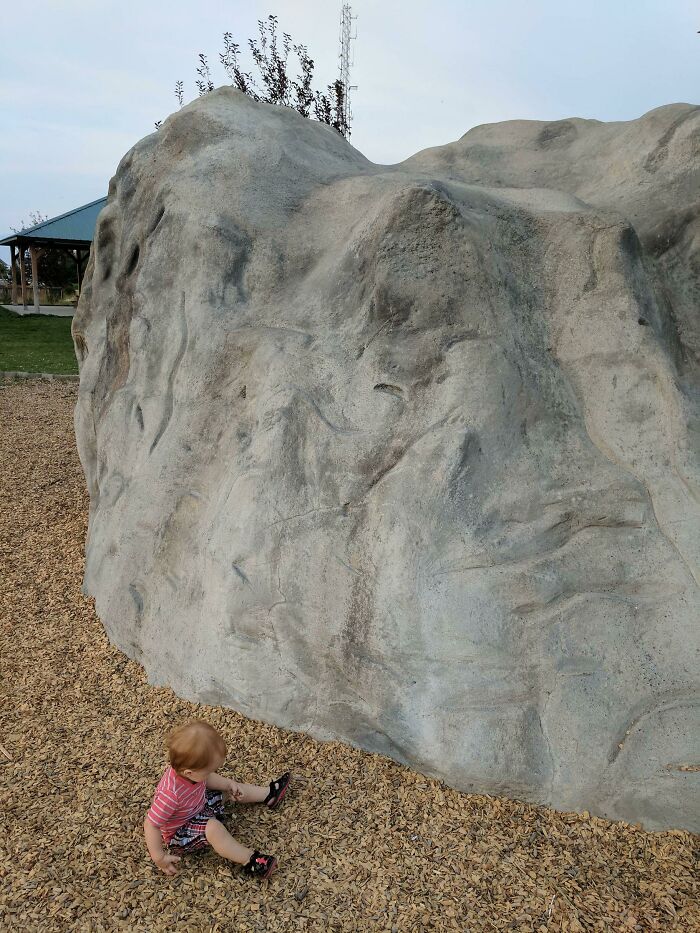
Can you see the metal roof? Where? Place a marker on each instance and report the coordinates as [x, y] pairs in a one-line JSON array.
[[76, 226]]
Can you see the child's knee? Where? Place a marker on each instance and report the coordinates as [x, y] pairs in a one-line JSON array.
[[214, 828]]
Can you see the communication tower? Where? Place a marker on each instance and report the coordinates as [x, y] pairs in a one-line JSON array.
[[346, 37]]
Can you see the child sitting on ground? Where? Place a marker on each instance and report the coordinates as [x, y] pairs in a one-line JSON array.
[[189, 801]]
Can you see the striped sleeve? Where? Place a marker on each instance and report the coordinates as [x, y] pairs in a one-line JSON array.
[[163, 806]]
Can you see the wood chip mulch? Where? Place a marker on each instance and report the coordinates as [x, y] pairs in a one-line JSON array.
[[364, 844]]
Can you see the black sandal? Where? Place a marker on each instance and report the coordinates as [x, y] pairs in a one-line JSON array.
[[278, 789], [260, 866]]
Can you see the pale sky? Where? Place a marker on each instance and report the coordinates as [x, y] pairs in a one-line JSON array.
[[82, 80]]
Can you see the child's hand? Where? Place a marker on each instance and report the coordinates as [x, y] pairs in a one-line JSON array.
[[234, 792], [168, 863]]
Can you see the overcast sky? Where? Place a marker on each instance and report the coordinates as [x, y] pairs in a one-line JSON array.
[[83, 80]]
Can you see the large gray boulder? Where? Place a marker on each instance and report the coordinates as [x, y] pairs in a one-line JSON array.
[[408, 455]]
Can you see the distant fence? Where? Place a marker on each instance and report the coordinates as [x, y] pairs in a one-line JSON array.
[[47, 296]]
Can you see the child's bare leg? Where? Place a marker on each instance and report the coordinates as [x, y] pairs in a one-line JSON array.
[[223, 842], [252, 793]]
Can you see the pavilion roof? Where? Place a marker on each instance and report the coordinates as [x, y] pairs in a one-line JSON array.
[[76, 227]]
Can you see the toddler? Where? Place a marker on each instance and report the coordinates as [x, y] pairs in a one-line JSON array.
[[189, 802]]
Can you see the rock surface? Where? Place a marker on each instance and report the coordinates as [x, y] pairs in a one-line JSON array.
[[408, 455]]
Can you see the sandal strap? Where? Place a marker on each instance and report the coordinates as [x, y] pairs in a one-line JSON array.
[[259, 864], [276, 787]]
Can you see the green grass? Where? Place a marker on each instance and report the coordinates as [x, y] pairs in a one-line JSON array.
[[36, 343]]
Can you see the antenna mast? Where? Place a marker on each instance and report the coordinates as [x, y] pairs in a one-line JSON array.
[[346, 21]]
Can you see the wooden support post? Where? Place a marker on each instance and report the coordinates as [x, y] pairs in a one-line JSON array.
[[13, 265], [22, 274], [79, 261], [35, 277]]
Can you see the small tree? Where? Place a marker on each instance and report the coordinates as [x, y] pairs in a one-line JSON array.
[[273, 84], [204, 82], [35, 218]]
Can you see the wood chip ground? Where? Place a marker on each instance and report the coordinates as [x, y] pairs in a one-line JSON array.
[[363, 843]]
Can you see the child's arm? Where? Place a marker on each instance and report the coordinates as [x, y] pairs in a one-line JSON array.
[[154, 842], [217, 782], [241, 793]]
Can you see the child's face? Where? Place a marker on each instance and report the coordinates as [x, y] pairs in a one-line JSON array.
[[201, 774]]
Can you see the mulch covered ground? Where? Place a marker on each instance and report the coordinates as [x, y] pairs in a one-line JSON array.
[[363, 843]]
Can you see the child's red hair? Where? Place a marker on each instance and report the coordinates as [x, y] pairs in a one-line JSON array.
[[195, 745]]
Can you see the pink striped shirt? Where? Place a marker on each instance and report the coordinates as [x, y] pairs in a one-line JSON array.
[[175, 801]]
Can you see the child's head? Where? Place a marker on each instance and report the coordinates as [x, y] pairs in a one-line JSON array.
[[196, 750]]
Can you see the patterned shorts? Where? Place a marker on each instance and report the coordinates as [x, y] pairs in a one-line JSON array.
[[192, 835]]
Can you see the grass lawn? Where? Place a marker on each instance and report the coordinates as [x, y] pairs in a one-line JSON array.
[[36, 343]]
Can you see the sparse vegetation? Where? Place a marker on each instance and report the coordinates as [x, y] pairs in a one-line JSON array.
[[274, 84]]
